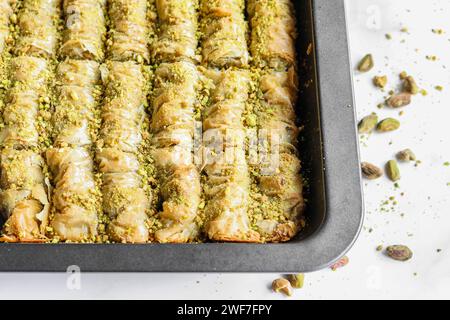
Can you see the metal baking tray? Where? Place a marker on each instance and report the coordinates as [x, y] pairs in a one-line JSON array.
[[329, 152]]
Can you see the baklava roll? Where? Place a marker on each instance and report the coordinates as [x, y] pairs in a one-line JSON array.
[[129, 30], [273, 33], [123, 109], [280, 180], [38, 30], [176, 38], [84, 29], [124, 198], [224, 39], [75, 195], [75, 204], [6, 11], [29, 77], [173, 129], [227, 180], [23, 196], [74, 116]]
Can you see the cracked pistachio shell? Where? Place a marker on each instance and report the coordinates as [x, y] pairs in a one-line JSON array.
[[399, 252], [371, 171]]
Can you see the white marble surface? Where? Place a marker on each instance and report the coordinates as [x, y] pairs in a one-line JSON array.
[[425, 226]]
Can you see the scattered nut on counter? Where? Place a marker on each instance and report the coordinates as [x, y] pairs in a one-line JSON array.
[[371, 171], [282, 285], [399, 252], [368, 123], [406, 155], [297, 280]]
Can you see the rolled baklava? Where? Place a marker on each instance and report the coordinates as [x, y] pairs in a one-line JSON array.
[[224, 38], [129, 30], [37, 25], [75, 195], [24, 198], [84, 29], [172, 126], [6, 11], [273, 33], [177, 31], [228, 184], [29, 78], [124, 199], [280, 180]]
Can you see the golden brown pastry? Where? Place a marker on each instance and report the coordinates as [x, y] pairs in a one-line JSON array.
[[6, 11], [224, 39], [29, 77], [124, 198], [73, 119], [280, 179], [273, 33], [84, 29], [75, 195], [176, 38], [129, 30], [172, 125], [23, 196], [37, 23], [227, 185]]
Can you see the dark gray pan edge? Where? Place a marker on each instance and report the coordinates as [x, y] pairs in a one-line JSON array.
[[338, 227]]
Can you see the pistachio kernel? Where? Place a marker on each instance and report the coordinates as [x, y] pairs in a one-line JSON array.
[[370, 171], [282, 285], [380, 81], [297, 280], [406, 155], [392, 170], [388, 124], [410, 85], [399, 252], [368, 123], [366, 64], [399, 100]]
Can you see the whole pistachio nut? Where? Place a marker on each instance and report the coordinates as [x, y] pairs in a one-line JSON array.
[[399, 252], [392, 170], [368, 123], [399, 100], [410, 85], [296, 280], [366, 64], [388, 124], [406, 155], [371, 171], [282, 285]]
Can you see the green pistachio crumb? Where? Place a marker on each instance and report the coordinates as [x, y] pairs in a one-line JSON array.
[[366, 64]]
